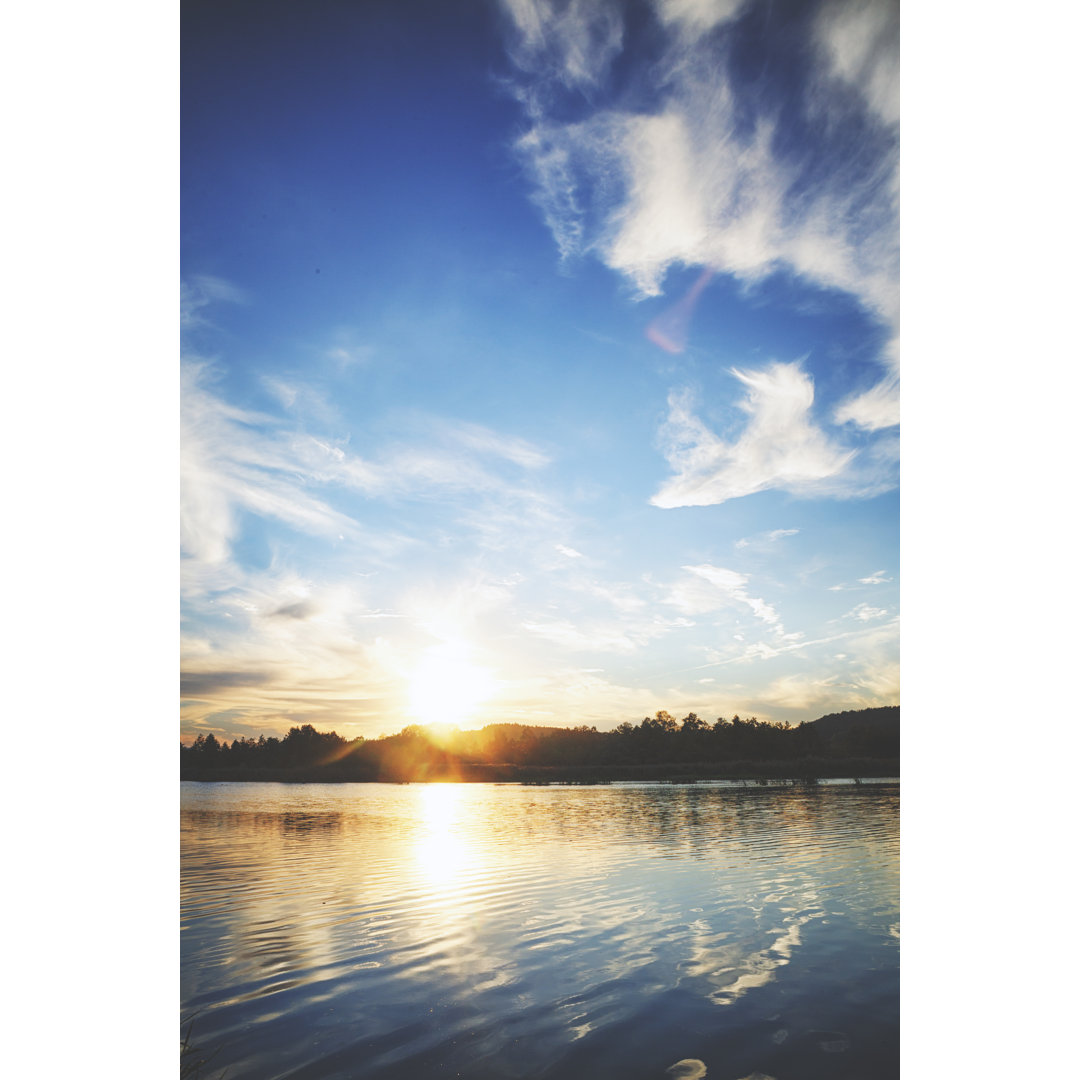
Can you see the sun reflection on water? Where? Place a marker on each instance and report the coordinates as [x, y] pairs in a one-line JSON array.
[[442, 853], [561, 915]]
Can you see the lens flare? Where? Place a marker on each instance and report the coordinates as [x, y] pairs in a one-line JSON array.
[[670, 329]]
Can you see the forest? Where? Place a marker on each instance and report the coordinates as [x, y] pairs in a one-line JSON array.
[[863, 742]]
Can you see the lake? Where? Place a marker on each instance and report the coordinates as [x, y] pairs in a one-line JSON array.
[[481, 931]]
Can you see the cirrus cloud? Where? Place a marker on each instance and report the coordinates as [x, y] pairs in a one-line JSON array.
[[780, 447]]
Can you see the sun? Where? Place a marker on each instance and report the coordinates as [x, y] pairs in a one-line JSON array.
[[446, 687]]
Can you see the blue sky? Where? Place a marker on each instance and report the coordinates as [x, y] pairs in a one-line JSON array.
[[540, 362]]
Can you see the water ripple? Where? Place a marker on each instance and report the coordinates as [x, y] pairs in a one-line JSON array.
[[493, 931]]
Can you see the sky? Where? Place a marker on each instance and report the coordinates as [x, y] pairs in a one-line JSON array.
[[988, 531], [540, 362]]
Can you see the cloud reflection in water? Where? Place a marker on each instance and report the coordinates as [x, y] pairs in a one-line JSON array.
[[533, 929]]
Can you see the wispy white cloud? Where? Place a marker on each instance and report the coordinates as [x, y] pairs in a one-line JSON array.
[[725, 587], [348, 349], [435, 455], [571, 695], [800, 691], [201, 291], [485, 441], [233, 460], [263, 649], [300, 398], [276, 629], [878, 577], [878, 407], [765, 538], [590, 636], [866, 674], [620, 596], [347, 357], [569, 552], [573, 41], [780, 447], [860, 42], [691, 182], [634, 622], [604, 615], [708, 174], [276, 648], [697, 16], [866, 613], [707, 589]]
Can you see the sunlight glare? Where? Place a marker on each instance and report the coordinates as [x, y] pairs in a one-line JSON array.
[[440, 852], [446, 687]]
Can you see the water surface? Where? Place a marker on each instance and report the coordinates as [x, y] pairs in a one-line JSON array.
[[483, 931]]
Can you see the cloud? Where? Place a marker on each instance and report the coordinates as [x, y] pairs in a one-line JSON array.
[[590, 637], [780, 447], [709, 173], [208, 683], [867, 674], [622, 597], [576, 695], [713, 588], [301, 609], [569, 552], [234, 459], [599, 635], [293, 651], [302, 400], [687, 1069], [739, 651], [265, 648], [876, 578], [485, 441], [727, 586], [860, 42], [199, 292], [347, 352], [765, 538], [435, 456], [600, 616], [865, 613], [689, 165], [697, 16], [800, 691], [573, 41], [878, 407]]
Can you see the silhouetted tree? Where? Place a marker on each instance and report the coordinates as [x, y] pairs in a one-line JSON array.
[[415, 753]]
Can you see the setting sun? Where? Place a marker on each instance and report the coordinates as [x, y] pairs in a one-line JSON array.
[[446, 688]]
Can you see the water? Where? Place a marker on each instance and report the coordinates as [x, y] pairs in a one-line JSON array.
[[483, 931]]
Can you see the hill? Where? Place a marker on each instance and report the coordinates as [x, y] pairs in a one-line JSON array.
[[865, 742], [871, 732]]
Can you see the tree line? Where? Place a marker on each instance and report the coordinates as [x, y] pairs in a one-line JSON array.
[[520, 751]]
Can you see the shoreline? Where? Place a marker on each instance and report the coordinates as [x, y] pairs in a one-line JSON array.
[[807, 771]]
